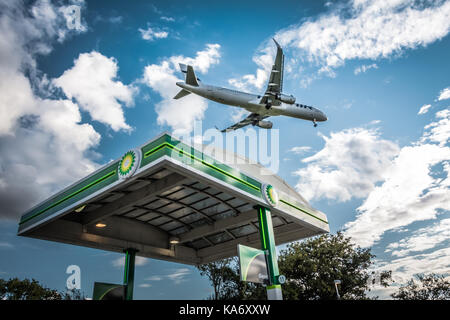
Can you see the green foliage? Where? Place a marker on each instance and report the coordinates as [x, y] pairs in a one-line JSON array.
[[225, 279], [310, 267], [15, 289], [429, 287]]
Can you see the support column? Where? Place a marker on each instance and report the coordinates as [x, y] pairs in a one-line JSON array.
[[128, 276], [268, 245]]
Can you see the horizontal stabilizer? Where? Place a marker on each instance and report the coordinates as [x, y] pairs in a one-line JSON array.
[[183, 67], [181, 94]]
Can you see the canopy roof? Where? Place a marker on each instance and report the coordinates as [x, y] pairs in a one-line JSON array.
[[167, 191]]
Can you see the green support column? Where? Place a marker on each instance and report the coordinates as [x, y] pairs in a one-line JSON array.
[[268, 244], [128, 276]]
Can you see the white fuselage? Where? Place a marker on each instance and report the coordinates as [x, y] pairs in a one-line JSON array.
[[251, 102]]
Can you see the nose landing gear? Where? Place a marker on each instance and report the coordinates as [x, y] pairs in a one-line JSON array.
[[315, 123]]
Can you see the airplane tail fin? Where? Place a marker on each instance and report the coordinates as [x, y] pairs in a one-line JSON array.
[[181, 94], [191, 79]]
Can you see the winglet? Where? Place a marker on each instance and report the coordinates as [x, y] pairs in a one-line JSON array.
[[278, 45]]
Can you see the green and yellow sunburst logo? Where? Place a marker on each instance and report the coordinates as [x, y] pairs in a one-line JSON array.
[[270, 194], [129, 163]]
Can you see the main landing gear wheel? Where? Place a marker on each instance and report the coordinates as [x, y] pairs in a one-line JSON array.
[[315, 123]]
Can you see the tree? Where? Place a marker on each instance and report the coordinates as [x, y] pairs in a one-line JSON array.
[[225, 279], [430, 287], [311, 267], [219, 273], [15, 289]]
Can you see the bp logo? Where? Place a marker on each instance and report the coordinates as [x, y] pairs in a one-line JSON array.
[[129, 163], [270, 194]]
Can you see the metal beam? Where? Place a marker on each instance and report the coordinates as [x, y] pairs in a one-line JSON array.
[[152, 189], [131, 230], [283, 233], [210, 220], [162, 214], [219, 225], [72, 233], [236, 212]]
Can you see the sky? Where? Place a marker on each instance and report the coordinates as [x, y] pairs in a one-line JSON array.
[[81, 82]]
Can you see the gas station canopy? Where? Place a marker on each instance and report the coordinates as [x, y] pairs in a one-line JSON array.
[[172, 201]]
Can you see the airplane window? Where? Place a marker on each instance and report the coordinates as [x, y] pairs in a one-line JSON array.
[[297, 105], [259, 97]]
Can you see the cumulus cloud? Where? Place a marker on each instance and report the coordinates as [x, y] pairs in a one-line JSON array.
[[424, 109], [350, 164], [92, 82], [179, 114], [370, 30], [415, 187], [150, 34], [264, 60], [444, 94], [43, 143]]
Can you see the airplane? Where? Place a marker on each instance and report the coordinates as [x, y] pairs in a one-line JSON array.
[[272, 103]]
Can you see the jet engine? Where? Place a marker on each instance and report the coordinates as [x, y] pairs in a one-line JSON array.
[[285, 98], [264, 124]]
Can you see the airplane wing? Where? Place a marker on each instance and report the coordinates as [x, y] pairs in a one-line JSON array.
[[250, 119], [275, 84]]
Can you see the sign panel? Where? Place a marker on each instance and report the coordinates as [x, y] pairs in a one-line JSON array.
[[108, 291], [252, 264]]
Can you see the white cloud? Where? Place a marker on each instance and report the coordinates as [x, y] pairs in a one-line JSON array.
[[145, 285], [404, 268], [264, 60], [350, 164], [415, 188], [444, 94], [179, 114], [237, 114], [422, 239], [6, 245], [43, 143], [424, 109], [168, 19], [151, 34], [365, 68], [177, 276], [154, 278], [438, 131], [92, 81], [371, 30], [299, 150]]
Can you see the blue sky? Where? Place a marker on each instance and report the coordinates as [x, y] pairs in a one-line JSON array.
[[74, 97]]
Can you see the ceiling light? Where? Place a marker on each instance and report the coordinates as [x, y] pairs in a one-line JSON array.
[[100, 225], [174, 240]]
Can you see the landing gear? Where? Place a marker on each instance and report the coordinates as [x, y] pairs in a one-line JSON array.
[[268, 105], [315, 123]]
